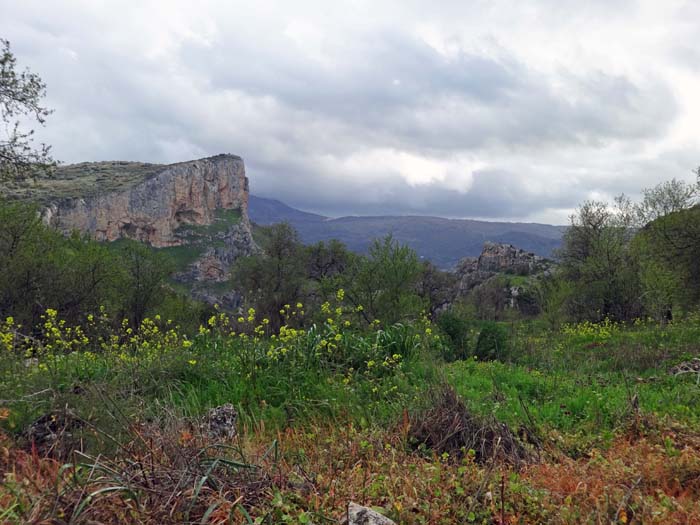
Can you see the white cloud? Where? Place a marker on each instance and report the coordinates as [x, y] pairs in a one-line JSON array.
[[495, 108]]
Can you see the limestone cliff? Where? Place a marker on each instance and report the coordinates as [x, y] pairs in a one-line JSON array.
[[151, 210], [197, 210]]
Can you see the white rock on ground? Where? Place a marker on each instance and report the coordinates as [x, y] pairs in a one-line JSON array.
[[359, 515]]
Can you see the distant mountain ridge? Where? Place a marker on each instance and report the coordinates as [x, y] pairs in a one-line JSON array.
[[442, 241]]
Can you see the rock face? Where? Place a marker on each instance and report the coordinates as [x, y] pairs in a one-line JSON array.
[[506, 258], [152, 210], [496, 258], [200, 205]]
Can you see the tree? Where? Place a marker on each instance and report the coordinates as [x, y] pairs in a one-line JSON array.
[[385, 283], [491, 298], [84, 276], [595, 258], [20, 99], [24, 245], [666, 198], [632, 259], [40, 269], [553, 294], [144, 273], [668, 249], [436, 287], [275, 278], [327, 260]]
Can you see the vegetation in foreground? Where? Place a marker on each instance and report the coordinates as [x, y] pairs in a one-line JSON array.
[[580, 425]]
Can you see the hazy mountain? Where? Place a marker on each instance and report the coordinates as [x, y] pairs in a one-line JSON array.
[[443, 241]]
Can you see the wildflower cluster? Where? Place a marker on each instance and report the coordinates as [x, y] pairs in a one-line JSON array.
[[57, 340], [351, 356], [597, 331], [8, 334]]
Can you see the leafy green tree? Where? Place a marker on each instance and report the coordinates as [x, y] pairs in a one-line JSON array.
[[20, 100], [661, 287], [327, 259], [40, 269], [84, 276], [492, 342], [277, 277], [596, 260], [24, 246], [385, 283], [668, 249], [143, 274], [456, 328], [666, 198], [552, 295]]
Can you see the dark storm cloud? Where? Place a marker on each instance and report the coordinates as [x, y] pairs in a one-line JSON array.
[[405, 94], [483, 109]]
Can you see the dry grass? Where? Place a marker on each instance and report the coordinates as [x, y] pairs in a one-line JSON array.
[[447, 426], [172, 474], [653, 479]]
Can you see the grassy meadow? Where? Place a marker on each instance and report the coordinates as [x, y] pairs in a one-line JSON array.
[[583, 424]]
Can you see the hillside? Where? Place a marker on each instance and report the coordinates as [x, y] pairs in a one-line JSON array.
[[443, 241]]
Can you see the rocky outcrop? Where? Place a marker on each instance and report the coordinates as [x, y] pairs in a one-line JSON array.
[[494, 259], [151, 210], [198, 207], [225, 247], [506, 258]]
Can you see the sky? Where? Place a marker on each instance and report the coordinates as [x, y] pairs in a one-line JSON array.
[[500, 110]]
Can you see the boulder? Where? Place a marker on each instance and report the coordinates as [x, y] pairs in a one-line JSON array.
[[220, 422], [359, 515]]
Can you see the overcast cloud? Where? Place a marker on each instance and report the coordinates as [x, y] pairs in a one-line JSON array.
[[468, 108]]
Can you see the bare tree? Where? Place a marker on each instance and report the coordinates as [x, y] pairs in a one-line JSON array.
[[668, 197], [21, 94]]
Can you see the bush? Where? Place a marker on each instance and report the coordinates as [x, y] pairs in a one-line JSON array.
[[492, 342], [456, 328]]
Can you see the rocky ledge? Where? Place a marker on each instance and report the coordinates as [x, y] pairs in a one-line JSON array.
[[198, 209], [151, 209]]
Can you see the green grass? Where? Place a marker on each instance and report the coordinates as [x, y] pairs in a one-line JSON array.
[[569, 400], [184, 255], [579, 383], [295, 377], [83, 180]]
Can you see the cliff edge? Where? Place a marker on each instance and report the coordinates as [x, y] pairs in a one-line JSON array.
[[154, 201], [196, 210]]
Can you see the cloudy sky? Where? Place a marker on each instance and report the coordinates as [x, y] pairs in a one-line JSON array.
[[514, 110]]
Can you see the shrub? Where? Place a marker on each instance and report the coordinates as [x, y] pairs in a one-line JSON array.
[[456, 329], [492, 342]]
